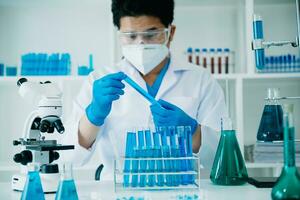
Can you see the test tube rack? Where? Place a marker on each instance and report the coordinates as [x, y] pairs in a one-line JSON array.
[[119, 174]]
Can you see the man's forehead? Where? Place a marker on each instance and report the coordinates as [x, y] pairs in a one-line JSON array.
[[141, 23]]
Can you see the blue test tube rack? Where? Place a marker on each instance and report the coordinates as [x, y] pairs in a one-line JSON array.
[[159, 160]]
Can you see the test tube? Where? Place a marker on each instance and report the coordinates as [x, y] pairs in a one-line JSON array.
[[226, 60], [294, 63], [189, 152], [258, 35], [182, 150], [158, 154], [204, 57], [166, 154], [142, 151], [190, 54], [219, 56], [128, 152], [289, 63], [197, 54], [150, 154], [175, 154], [212, 60]]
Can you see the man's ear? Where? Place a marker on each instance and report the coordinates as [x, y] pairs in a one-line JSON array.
[[172, 32]]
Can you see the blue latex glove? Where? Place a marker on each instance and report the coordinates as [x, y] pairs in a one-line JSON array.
[[167, 114], [105, 90]]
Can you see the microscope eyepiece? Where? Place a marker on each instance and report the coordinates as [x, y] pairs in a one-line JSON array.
[[20, 81], [59, 126], [45, 125]]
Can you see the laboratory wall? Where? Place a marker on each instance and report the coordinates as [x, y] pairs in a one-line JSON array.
[[84, 27]]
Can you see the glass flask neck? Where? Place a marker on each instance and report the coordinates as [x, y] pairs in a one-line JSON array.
[[289, 138], [67, 172]]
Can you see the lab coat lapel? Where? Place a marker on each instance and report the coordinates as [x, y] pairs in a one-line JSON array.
[[169, 81]]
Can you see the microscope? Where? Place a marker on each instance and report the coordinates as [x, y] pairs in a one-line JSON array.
[[35, 147]]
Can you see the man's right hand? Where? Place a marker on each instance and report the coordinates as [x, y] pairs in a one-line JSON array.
[[105, 90]]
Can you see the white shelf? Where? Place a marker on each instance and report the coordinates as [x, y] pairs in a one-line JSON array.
[[265, 165], [14, 79]]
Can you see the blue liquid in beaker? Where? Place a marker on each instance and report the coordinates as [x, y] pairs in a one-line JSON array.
[[33, 188], [66, 190], [271, 124]]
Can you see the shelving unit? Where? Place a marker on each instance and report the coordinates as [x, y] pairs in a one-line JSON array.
[[200, 23]]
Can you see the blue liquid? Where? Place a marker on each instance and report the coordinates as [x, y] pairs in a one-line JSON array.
[[189, 153], [183, 163], [151, 167], [33, 188], [175, 167], [259, 53], [143, 167], [158, 154], [66, 190], [167, 165], [135, 168], [129, 153], [271, 124]]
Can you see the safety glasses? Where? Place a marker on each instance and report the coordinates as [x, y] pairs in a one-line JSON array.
[[158, 36]]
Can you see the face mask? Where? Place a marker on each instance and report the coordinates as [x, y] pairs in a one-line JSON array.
[[145, 57]]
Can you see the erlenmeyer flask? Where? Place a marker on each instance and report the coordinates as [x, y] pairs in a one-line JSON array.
[[270, 127], [229, 166], [288, 184], [66, 188], [33, 186]]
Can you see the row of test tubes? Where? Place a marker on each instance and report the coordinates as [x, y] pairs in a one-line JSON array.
[[281, 63], [44, 64], [159, 158], [217, 61]]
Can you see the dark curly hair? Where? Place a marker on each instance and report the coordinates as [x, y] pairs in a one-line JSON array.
[[162, 9]]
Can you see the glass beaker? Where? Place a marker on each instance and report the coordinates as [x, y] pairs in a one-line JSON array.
[[33, 189], [66, 188], [229, 166], [288, 184], [270, 127]]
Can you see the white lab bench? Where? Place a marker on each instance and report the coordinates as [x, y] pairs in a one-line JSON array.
[[104, 190]]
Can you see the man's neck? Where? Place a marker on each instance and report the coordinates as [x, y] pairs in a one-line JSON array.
[[151, 76]]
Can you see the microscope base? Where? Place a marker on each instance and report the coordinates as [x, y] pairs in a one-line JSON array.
[[49, 182]]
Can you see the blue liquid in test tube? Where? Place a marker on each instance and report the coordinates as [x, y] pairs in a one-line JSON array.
[[189, 152], [129, 153], [142, 154], [182, 152], [175, 154], [258, 34], [150, 154], [158, 154], [166, 154]]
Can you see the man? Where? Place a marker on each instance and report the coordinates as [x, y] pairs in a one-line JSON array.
[[107, 107]]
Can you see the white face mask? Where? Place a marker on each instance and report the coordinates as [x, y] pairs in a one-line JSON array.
[[145, 57]]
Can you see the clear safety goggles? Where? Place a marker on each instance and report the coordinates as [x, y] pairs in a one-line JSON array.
[[159, 36]]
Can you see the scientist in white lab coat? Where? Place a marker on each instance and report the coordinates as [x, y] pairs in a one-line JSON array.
[[106, 107]]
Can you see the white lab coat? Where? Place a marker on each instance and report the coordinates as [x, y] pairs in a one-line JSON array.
[[188, 86]]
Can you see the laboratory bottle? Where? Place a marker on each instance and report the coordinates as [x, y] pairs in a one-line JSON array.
[[226, 60], [212, 60], [288, 184], [228, 166], [66, 188], [270, 127], [33, 189], [190, 54], [204, 57], [197, 56], [219, 60]]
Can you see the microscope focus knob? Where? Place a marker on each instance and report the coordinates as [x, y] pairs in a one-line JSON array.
[[16, 142], [24, 157]]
